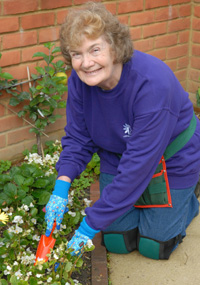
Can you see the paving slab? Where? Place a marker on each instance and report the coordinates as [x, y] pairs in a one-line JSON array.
[[182, 268]]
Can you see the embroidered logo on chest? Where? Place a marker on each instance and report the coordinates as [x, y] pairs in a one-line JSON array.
[[127, 130]]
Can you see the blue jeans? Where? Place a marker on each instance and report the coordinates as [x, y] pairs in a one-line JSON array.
[[160, 224]]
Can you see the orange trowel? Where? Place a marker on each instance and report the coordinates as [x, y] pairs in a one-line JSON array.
[[44, 247]]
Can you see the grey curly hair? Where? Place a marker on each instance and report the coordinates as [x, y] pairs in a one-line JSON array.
[[93, 20]]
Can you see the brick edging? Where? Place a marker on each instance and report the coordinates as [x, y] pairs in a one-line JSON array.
[[99, 255]]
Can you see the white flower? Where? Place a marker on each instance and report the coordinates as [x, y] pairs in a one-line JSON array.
[[34, 221], [89, 243], [63, 226], [1, 243], [18, 274], [25, 207], [49, 279], [31, 205], [15, 263], [36, 237], [18, 220], [83, 213], [8, 267], [73, 214], [6, 272], [18, 230], [55, 256], [4, 255], [87, 202], [29, 273], [38, 275], [5, 209]]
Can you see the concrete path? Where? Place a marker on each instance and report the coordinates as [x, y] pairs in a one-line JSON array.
[[182, 268]]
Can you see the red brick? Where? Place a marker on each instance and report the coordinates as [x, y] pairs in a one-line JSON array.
[[144, 45], [185, 10], [19, 39], [130, 6], [79, 2], [2, 141], [58, 125], [20, 71], [142, 18], [124, 19], [27, 53], [37, 20], [183, 62], [136, 33], [19, 6], [166, 13], [195, 62], [11, 122], [2, 110], [52, 4], [10, 58], [196, 37], [112, 7], [61, 15], [172, 64], [173, 2], [197, 11], [49, 35], [194, 74], [154, 29], [193, 86], [196, 24], [178, 25], [9, 24], [166, 40], [20, 135], [181, 74], [184, 37], [161, 54], [177, 51], [196, 50], [149, 4]]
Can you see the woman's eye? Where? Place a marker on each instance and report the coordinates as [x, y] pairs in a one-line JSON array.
[[95, 51], [75, 55]]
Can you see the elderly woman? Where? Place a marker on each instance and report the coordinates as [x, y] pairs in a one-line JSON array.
[[129, 108]]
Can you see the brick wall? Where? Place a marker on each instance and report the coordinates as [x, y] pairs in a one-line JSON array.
[[167, 29]]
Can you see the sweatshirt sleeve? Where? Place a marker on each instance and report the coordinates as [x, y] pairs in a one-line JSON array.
[[136, 168], [77, 144]]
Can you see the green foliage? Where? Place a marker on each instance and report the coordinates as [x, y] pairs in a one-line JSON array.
[[198, 96], [6, 80], [4, 165], [24, 190]]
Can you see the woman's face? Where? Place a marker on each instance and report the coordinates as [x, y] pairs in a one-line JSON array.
[[93, 62]]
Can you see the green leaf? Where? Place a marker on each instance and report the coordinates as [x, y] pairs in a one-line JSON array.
[[8, 235], [56, 49], [6, 75], [44, 198], [4, 178], [5, 200], [3, 282], [59, 63], [62, 104], [10, 190], [40, 70], [14, 101], [28, 181], [34, 212], [79, 262], [24, 96], [21, 194], [39, 54], [27, 200], [41, 183], [68, 266], [33, 281], [19, 179], [14, 280]]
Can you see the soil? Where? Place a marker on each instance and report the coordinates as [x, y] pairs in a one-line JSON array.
[[84, 276]]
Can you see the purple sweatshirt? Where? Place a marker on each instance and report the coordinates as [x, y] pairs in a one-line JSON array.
[[138, 119]]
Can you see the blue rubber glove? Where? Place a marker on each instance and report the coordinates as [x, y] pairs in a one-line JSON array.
[[56, 207], [81, 237]]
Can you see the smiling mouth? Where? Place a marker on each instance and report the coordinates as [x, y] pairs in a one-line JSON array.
[[93, 72]]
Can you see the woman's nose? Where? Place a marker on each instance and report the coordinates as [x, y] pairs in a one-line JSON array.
[[87, 60]]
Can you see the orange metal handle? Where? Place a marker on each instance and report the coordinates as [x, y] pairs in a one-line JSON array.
[[54, 225]]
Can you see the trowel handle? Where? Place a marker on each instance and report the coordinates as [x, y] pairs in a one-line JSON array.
[[54, 225]]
